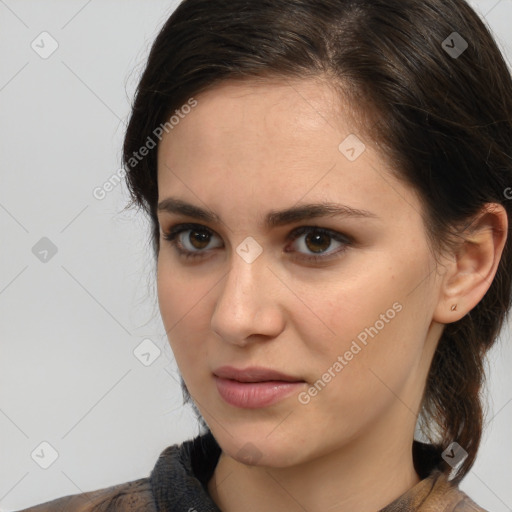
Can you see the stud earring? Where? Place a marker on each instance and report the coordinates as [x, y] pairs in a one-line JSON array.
[[454, 307]]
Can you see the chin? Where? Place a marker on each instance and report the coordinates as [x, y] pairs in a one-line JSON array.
[[251, 448]]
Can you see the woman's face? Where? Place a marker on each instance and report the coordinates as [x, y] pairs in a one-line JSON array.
[[342, 304]]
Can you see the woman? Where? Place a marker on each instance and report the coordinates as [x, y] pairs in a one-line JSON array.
[[327, 184]]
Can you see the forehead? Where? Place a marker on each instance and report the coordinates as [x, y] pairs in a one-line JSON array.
[[274, 141], [263, 109], [258, 125]]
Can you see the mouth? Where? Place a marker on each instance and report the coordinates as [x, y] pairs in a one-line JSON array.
[[254, 387], [253, 374]]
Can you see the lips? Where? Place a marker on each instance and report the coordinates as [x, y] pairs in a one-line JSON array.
[[253, 374], [255, 387]]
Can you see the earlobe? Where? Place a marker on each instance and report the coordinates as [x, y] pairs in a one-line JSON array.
[[473, 267]]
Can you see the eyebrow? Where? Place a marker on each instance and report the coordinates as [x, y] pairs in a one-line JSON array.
[[274, 218]]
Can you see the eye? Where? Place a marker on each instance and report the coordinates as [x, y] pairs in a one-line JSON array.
[[317, 241], [311, 242], [190, 240]]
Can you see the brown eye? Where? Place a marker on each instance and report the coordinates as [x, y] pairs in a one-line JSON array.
[[192, 241], [317, 242], [312, 243], [196, 240], [199, 239]]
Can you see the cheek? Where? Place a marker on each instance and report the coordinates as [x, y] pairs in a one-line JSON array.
[[181, 293], [351, 307], [373, 321], [184, 301], [355, 379]]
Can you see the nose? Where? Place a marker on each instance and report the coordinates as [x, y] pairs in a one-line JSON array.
[[248, 305]]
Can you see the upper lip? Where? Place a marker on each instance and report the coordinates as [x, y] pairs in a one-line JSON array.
[[253, 374]]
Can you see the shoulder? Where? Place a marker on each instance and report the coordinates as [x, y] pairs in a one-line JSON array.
[[134, 496], [448, 497]]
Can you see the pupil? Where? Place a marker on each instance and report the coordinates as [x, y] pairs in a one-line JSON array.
[[199, 239], [317, 241]]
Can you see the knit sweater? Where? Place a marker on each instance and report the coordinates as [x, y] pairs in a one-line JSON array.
[[178, 483]]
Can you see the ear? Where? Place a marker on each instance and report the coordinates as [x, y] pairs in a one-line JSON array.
[[473, 265]]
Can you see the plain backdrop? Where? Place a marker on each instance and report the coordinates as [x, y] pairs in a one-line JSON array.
[[77, 297]]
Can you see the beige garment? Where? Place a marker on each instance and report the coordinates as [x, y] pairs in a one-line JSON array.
[[178, 483]]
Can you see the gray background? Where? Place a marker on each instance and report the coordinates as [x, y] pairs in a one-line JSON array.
[[70, 326]]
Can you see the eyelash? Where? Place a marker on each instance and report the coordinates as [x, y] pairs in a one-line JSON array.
[[176, 230]]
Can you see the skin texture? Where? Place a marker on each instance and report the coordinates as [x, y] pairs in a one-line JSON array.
[[249, 148]]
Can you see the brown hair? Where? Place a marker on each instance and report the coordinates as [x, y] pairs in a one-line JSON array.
[[444, 120]]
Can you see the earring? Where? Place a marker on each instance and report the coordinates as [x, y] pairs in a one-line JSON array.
[[454, 307]]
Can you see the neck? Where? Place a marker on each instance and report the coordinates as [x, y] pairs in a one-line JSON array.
[[368, 474]]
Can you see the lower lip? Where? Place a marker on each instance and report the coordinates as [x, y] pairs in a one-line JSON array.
[[253, 395]]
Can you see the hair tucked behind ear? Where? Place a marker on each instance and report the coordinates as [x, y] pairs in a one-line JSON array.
[[444, 120]]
